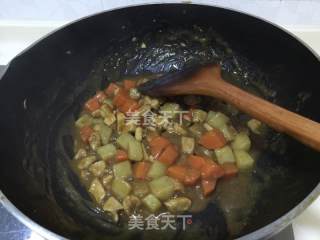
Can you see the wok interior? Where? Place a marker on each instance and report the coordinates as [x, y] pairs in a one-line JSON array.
[[44, 88]]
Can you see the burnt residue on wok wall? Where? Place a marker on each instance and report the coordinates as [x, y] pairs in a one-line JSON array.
[[47, 86]]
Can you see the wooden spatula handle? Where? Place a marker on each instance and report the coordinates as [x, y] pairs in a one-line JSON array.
[[299, 127]]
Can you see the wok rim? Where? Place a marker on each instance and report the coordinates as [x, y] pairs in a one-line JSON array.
[[265, 232]]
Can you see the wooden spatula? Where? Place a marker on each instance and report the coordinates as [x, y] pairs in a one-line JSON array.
[[207, 81]]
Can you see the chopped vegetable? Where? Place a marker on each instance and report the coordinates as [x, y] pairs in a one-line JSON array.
[[97, 190], [135, 151], [112, 205], [196, 130], [138, 134], [86, 162], [217, 119], [85, 133], [196, 162], [169, 155], [256, 126], [213, 139], [120, 188], [128, 84], [109, 119], [199, 115], [107, 152], [140, 189], [178, 172], [105, 133], [211, 170], [152, 203], [140, 170], [97, 168], [225, 155], [244, 160], [92, 105], [94, 140], [122, 169], [84, 120], [192, 176], [112, 88], [157, 169], [100, 96], [178, 205], [170, 109], [157, 145], [230, 170], [241, 142], [130, 204], [228, 132], [121, 155], [187, 144], [208, 186], [162, 188], [134, 93], [124, 139]]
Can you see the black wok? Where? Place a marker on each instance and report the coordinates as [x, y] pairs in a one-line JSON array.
[[43, 89]]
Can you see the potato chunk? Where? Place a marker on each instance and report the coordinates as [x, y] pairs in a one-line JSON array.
[[97, 190]]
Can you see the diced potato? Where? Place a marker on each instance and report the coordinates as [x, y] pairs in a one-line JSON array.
[[120, 188], [84, 120], [228, 132], [157, 169], [97, 168], [135, 151], [162, 188], [107, 152], [256, 126], [140, 189], [217, 119], [94, 141], [105, 133], [155, 103], [202, 151], [112, 205], [244, 160], [207, 127], [134, 93], [122, 169], [199, 115], [152, 203], [106, 180], [138, 134], [109, 119], [131, 204], [124, 139], [187, 144], [145, 154], [178, 186], [86, 162], [178, 205], [225, 155], [108, 102], [241, 142], [196, 130], [97, 190]]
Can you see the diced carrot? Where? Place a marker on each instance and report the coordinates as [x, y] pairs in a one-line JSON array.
[[178, 172], [208, 186], [129, 106], [121, 156], [100, 96], [128, 84], [192, 176], [169, 155], [110, 91], [230, 169], [92, 105], [157, 145], [120, 99], [211, 170], [140, 170], [196, 162], [85, 133], [213, 139]]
